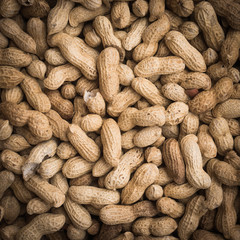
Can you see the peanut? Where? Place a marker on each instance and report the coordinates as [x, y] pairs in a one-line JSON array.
[[37, 206], [118, 214], [182, 8]]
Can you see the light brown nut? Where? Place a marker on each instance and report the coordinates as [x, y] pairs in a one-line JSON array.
[[195, 209], [95, 102], [35, 97], [233, 159], [153, 155], [65, 150], [118, 214], [93, 195], [11, 208], [174, 92], [59, 181], [20, 191], [9, 8], [145, 175], [58, 16], [156, 226], [14, 57], [206, 18], [7, 178], [229, 10], [156, 9], [5, 129], [176, 191], [86, 179], [119, 176], [104, 29], [229, 52], [175, 20], [37, 206], [80, 14], [170, 131], [127, 139], [111, 140], [154, 192], [214, 194], [54, 57], [60, 74], [38, 9], [134, 36], [72, 50], [217, 71], [50, 167], [101, 168], [234, 74], [225, 173], [37, 30], [195, 174], [151, 36], [79, 216], [62, 106], [234, 127], [207, 221], [3, 41], [12, 161], [149, 91], [45, 191], [219, 129], [147, 136], [226, 110], [92, 4], [189, 29], [37, 69], [176, 112], [203, 234], [68, 91], [122, 100], [75, 233], [36, 156], [76, 167], [59, 125], [156, 66], [140, 8], [10, 77], [120, 14], [11, 29], [91, 37], [170, 207], [179, 46], [207, 100], [125, 74], [182, 8], [108, 78], [14, 95], [206, 144], [40, 225], [173, 159], [210, 56], [91, 123]]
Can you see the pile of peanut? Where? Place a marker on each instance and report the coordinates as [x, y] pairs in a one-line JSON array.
[[119, 120]]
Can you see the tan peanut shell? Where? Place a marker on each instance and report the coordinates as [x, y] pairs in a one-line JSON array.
[[182, 8], [12, 30], [7, 178], [85, 146], [143, 177], [118, 214], [60, 181], [37, 69], [5, 129], [173, 159], [120, 14], [58, 16], [179, 46], [38, 31], [14, 57], [81, 14], [210, 56], [156, 226], [92, 4], [154, 65], [156, 9], [149, 91], [108, 78], [119, 176], [189, 29], [37, 206], [14, 94], [111, 139], [76, 167], [54, 57], [93, 195], [195, 209], [206, 18], [40, 225], [72, 51], [79, 216], [45, 191]]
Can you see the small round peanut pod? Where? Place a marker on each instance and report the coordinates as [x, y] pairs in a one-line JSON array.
[[154, 192]]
